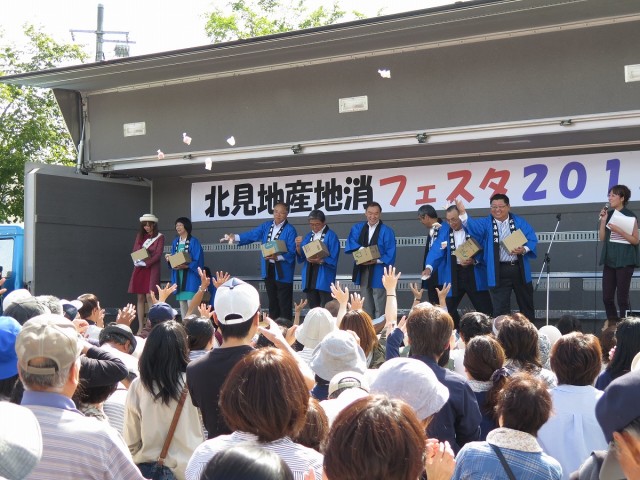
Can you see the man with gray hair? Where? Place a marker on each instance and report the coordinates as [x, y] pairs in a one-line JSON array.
[[467, 275], [74, 446], [318, 272]]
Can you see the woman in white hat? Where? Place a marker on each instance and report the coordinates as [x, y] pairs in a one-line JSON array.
[[146, 273]]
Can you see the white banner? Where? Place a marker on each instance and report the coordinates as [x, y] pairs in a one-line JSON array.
[[528, 182]]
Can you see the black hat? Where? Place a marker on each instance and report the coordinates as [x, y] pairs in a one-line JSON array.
[[119, 330]]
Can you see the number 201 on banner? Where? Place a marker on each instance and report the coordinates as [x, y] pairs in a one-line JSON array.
[[568, 189]]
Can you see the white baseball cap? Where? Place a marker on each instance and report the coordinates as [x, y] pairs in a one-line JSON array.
[[236, 302]]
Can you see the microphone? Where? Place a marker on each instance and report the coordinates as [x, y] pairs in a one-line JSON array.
[[606, 207]]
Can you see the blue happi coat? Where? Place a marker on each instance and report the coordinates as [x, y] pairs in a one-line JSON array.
[[386, 246], [327, 270], [481, 230], [288, 236], [441, 258], [192, 283]]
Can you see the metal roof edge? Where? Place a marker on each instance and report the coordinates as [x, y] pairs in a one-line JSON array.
[[459, 5]]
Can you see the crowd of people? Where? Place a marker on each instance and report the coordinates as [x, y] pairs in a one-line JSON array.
[[358, 404], [348, 391]]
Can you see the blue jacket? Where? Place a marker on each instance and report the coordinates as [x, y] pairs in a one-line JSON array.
[[440, 269], [197, 260], [459, 420], [386, 246], [328, 269], [288, 235], [440, 259], [482, 230]]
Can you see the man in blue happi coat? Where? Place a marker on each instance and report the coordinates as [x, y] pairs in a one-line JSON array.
[[369, 274], [318, 273], [467, 276], [507, 271], [277, 270]]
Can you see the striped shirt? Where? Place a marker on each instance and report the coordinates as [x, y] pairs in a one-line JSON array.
[[74, 446], [114, 409], [504, 230], [296, 456]]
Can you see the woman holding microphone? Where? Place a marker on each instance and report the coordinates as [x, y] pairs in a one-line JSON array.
[[620, 254]]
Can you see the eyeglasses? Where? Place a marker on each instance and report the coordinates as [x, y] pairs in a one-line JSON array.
[[498, 207]]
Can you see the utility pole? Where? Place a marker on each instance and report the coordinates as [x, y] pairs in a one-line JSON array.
[[100, 34], [122, 47]]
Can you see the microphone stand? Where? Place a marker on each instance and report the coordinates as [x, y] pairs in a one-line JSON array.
[[546, 263]]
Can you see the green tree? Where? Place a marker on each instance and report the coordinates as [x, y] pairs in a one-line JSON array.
[[31, 125], [255, 18]]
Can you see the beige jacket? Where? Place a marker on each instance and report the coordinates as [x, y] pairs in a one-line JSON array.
[[146, 424]]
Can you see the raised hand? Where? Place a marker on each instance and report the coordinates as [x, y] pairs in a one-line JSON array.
[[126, 315], [299, 306], [164, 293], [357, 301], [290, 337], [417, 293], [204, 280], [339, 294], [205, 310], [390, 278], [442, 294], [220, 278], [402, 325]]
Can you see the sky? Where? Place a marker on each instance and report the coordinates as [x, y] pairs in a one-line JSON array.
[[155, 26]]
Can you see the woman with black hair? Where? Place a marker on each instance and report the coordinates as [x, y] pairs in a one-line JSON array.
[[483, 362], [620, 253], [200, 331], [186, 276], [246, 461], [152, 400], [627, 346]]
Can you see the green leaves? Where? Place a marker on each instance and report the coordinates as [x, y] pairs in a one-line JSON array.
[[31, 125], [255, 18]]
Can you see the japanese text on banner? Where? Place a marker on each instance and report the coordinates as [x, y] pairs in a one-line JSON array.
[[527, 182]]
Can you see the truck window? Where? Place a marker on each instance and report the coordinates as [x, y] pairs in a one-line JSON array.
[[6, 255]]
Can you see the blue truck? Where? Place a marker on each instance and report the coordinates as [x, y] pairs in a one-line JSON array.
[[11, 257]]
